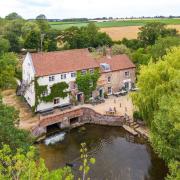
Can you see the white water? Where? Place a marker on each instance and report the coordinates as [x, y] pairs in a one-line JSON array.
[[54, 139]]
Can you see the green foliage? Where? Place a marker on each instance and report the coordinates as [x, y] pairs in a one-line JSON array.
[[174, 168], [152, 31], [84, 37], [141, 57], [32, 40], [12, 32], [57, 90], [156, 80], [13, 16], [159, 49], [4, 45], [137, 115], [132, 43], [86, 161], [119, 49], [159, 103], [9, 133], [8, 67], [87, 83], [165, 130], [24, 166]]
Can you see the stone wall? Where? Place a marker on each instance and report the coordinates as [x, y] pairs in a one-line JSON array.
[[86, 115]]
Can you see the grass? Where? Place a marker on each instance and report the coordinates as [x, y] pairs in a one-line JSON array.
[[120, 23]]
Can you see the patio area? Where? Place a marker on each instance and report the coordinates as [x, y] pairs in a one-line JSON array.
[[122, 105]]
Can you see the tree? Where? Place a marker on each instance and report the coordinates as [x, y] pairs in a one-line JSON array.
[[174, 170], [159, 49], [8, 67], [27, 166], [152, 31], [132, 43], [87, 83], [9, 133], [84, 37], [156, 80], [165, 130], [119, 49], [32, 40], [86, 161], [4, 45], [43, 23], [141, 57], [159, 104], [41, 16], [13, 33], [13, 16]]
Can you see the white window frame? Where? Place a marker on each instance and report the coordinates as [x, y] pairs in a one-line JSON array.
[[83, 72], [51, 78], [73, 74], [63, 76], [56, 101]]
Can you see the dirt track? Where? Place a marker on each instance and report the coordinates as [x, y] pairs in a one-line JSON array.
[[129, 32]]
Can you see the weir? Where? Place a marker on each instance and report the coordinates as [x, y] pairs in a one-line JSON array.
[[72, 118]]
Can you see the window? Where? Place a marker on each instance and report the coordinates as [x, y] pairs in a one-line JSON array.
[[109, 90], [51, 78], [73, 74], [127, 74], [109, 79], [45, 93], [83, 72], [91, 71], [56, 101], [63, 76]]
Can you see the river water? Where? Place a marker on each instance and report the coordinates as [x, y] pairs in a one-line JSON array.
[[119, 155]]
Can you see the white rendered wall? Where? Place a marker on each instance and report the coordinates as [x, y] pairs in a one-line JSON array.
[[28, 75]]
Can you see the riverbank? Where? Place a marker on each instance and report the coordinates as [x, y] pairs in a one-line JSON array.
[[96, 115]]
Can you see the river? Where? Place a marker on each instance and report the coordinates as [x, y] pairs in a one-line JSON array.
[[118, 154]]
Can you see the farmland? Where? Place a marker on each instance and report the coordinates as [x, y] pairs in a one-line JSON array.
[[118, 29], [115, 23], [129, 32]]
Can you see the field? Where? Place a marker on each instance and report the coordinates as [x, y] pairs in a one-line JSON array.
[[115, 23], [119, 29], [129, 32]]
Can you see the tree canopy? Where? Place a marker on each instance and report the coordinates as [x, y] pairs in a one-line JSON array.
[[152, 31], [159, 104]]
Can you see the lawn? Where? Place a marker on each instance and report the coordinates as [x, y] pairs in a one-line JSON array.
[[117, 23]]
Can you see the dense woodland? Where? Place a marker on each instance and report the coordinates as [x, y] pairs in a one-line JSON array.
[[156, 54]]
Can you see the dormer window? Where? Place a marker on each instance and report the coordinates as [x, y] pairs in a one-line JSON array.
[[51, 78], [105, 67]]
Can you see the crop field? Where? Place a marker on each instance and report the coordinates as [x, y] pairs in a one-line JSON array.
[[115, 23], [119, 29], [129, 32]]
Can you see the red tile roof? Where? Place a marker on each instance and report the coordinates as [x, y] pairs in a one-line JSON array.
[[48, 63], [117, 62]]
